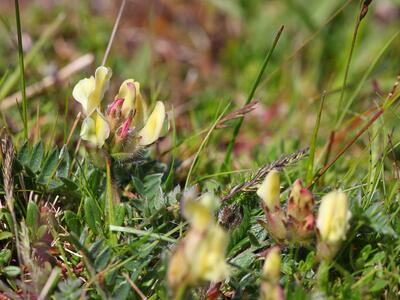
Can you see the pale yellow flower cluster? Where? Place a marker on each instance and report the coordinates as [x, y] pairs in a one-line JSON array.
[[200, 256], [298, 223], [294, 224], [126, 120]]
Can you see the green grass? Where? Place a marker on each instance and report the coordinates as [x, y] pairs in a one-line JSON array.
[[84, 226]]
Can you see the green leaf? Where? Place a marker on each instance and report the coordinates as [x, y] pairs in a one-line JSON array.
[[5, 256], [121, 291], [378, 285], [138, 185], [68, 290], [119, 214], [379, 220], [24, 154], [37, 157], [5, 235], [32, 217], [41, 231], [49, 167], [92, 215], [72, 221], [102, 259], [153, 191], [69, 184], [95, 248], [63, 168], [11, 271], [240, 232], [253, 239]]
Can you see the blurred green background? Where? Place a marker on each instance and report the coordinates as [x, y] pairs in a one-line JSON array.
[[199, 55]]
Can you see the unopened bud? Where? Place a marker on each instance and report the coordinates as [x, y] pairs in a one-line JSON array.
[[270, 288], [114, 113], [269, 191], [300, 213], [332, 223], [123, 131]]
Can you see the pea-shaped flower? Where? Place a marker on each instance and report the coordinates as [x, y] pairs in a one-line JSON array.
[[126, 125], [269, 192], [89, 92], [332, 223], [270, 288], [200, 256]]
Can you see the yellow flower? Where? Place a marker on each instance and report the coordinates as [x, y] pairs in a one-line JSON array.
[[333, 217], [270, 288], [272, 265], [153, 127], [129, 91], [208, 260], [178, 268], [201, 254], [200, 213], [269, 190], [95, 129], [90, 91]]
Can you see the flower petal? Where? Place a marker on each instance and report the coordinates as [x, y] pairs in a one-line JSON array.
[[102, 78], [333, 217], [209, 257], [90, 91], [82, 91], [269, 190], [128, 91], [95, 129], [151, 131]]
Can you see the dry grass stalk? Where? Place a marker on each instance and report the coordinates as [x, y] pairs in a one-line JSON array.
[[262, 172], [239, 113], [49, 81], [7, 154]]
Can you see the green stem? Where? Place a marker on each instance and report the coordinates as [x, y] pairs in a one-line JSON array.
[[110, 202], [22, 71], [323, 276], [181, 292], [229, 150]]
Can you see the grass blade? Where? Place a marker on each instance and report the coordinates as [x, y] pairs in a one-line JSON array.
[[310, 165], [44, 38], [21, 70], [364, 78], [228, 153], [203, 144]]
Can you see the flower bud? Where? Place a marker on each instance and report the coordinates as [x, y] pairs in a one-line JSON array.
[[300, 213], [332, 223], [123, 131], [275, 225], [272, 265], [130, 92], [269, 191], [270, 288], [114, 113]]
